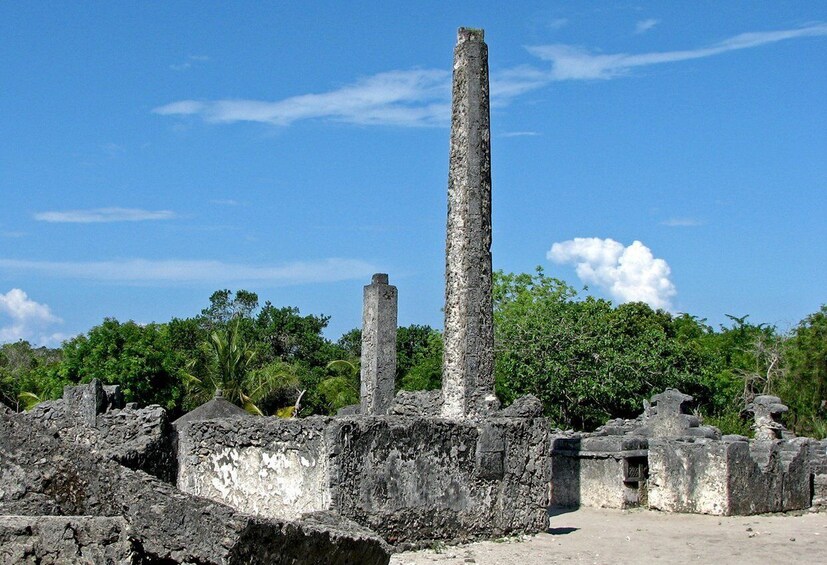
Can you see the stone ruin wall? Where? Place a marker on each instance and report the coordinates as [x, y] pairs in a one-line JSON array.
[[666, 460], [409, 479], [102, 509], [261, 466]]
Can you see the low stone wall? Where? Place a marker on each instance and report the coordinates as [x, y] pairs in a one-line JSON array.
[[416, 478], [410, 479], [262, 466], [599, 471], [42, 475], [729, 477]]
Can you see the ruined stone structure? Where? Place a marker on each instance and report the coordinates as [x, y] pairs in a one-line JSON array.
[[87, 477], [65, 500], [468, 365], [408, 478], [666, 460], [767, 411], [96, 417], [441, 464], [378, 370]]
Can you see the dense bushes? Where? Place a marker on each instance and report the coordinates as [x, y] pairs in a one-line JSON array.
[[586, 359]]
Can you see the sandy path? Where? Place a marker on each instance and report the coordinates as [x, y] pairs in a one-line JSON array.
[[590, 535]]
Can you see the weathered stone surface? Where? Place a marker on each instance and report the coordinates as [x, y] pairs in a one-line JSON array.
[[595, 471], [767, 411], [139, 438], [264, 466], [728, 477], [51, 540], [410, 479], [468, 362], [414, 479], [818, 470], [349, 410], [528, 406], [420, 403], [378, 367], [42, 475]]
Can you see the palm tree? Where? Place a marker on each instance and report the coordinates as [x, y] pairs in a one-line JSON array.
[[230, 371]]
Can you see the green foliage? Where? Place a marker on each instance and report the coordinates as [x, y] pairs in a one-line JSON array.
[[341, 389], [586, 360], [804, 387], [28, 375], [136, 357], [419, 367], [226, 306]]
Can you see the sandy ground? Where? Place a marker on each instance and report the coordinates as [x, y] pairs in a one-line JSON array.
[[599, 536]]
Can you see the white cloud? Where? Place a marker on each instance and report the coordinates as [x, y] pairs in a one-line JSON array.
[[645, 25], [104, 215], [628, 274], [403, 98], [558, 23], [575, 63], [27, 319], [421, 97], [146, 271], [519, 134], [186, 65], [681, 222]]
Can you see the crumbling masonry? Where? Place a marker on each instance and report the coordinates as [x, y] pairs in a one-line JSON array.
[[87, 478]]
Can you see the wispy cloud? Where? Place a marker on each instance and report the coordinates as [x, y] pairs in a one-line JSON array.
[[27, 319], [147, 271], [682, 222], [645, 25], [628, 273], [403, 98], [104, 215], [188, 63], [575, 63], [225, 202], [519, 134], [13, 234], [557, 23], [421, 97]]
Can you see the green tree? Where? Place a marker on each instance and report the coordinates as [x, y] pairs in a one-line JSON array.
[[128, 354], [231, 369], [805, 387], [586, 360], [342, 387], [28, 374]]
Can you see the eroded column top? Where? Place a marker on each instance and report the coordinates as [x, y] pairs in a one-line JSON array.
[[470, 34]]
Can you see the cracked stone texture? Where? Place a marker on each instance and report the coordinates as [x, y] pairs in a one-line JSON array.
[[468, 362], [51, 540], [378, 370], [729, 477], [42, 475], [410, 479], [417, 479], [138, 438]]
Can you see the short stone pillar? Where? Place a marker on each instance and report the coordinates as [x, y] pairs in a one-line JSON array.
[[468, 362], [378, 373], [84, 402]]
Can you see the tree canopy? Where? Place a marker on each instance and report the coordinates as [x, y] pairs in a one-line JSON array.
[[585, 358]]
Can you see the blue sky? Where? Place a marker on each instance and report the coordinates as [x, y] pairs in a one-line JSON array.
[[153, 152]]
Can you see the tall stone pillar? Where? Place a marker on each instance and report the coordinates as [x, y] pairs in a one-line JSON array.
[[468, 362], [378, 346]]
